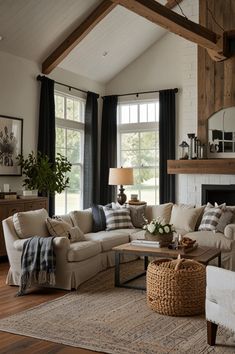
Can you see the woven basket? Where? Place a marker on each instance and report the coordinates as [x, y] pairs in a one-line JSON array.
[[176, 288], [165, 239]]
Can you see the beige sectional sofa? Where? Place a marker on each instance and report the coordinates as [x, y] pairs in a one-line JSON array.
[[76, 262]]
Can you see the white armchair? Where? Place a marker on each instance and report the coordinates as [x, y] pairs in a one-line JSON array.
[[220, 301]]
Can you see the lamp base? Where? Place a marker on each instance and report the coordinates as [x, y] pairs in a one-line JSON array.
[[121, 197]]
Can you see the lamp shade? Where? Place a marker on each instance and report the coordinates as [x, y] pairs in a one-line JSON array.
[[121, 176]]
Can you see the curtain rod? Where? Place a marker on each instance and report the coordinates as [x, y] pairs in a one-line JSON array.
[[39, 78], [140, 93]]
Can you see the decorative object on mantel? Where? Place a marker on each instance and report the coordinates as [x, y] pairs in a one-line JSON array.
[[184, 151]]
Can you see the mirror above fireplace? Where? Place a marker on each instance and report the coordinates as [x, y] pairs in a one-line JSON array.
[[221, 133]]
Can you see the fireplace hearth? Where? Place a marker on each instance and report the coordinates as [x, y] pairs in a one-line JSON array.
[[218, 193]]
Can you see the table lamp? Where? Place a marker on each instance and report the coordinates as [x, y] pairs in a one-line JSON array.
[[121, 176]]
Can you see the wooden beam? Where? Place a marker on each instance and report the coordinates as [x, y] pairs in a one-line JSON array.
[[172, 3], [76, 36], [173, 22]]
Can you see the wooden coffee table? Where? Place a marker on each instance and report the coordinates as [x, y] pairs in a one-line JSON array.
[[201, 254]]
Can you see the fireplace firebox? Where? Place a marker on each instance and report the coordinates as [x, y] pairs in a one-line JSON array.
[[218, 193]]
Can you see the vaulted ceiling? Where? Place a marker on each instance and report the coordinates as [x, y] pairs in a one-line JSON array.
[[32, 29]]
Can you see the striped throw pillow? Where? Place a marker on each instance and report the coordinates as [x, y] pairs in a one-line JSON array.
[[210, 219], [118, 219]]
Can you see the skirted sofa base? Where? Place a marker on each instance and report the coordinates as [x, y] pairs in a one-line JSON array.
[[77, 262]]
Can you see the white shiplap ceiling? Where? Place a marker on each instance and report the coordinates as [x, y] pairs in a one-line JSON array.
[[32, 29]]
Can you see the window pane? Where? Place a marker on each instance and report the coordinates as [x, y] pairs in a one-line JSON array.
[[69, 111], [147, 157], [60, 203], [74, 178], [73, 146], [151, 112], [157, 111], [147, 140], [147, 177], [129, 158], [133, 113], [148, 195], [76, 110], [61, 151], [59, 106], [143, 112], [60, 137], [73, 200], [125, 114], [130, 141]]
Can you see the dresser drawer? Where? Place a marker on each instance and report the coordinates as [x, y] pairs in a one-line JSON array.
[[35, 205], [12, 209]]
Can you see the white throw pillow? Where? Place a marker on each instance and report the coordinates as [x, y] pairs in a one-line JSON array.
[[58, 228], [31, 223], [185, 218]]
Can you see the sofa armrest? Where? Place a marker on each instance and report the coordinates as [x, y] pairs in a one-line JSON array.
[[58, 243], [229, 231]]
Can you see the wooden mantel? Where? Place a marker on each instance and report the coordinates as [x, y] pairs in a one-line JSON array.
[[207, 166]]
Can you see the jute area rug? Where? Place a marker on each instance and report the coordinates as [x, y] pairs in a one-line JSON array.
[[103, 318]]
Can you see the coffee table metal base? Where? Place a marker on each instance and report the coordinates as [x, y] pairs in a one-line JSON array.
[[126, 284]]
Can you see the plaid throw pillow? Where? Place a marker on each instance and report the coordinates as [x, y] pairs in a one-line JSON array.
[[118, 219], [210, 219]]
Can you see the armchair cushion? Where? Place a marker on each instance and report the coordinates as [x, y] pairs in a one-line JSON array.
[[31, 223]]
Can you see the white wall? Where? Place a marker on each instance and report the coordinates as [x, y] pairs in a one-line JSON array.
[[169, 63], [19, 97]]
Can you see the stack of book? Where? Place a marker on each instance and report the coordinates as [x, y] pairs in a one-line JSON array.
[[8, 195], [146, 243]]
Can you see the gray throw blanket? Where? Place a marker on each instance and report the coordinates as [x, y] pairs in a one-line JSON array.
[[37, 263]]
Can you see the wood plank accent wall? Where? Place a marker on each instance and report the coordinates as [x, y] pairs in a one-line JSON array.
[[216, 80]]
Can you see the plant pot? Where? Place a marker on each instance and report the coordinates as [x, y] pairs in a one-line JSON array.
[[165, 239]]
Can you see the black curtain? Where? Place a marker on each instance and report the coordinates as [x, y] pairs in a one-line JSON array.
[[46, 129], [108, 157], [166, 144], [90, 191]]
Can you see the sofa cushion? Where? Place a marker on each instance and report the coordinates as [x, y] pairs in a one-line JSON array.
[[185, 217], [118, 218], [80, 251], [64, 217], [211, 239], [109, 239], [58, 228], [82, 219], [162, 211], [31, 223], [98, 218]]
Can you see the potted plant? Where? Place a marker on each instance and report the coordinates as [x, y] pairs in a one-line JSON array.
[[41, 174]]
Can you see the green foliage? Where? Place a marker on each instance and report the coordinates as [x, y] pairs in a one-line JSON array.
[[43, 175]]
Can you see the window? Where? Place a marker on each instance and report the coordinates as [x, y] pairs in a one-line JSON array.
[[138, 147], [70, 111]]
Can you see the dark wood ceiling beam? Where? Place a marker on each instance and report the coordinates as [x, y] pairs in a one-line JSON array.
[[172, 3], [76, 36], [173, 22]]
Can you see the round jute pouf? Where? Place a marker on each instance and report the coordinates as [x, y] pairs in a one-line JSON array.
[[176, 287]]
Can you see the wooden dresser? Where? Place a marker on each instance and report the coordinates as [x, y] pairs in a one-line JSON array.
[[10, 207]]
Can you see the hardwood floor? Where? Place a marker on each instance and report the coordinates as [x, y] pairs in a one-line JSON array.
[[10, 304]]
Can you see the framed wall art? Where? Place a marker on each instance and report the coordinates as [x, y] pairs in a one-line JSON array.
[[11, 136]]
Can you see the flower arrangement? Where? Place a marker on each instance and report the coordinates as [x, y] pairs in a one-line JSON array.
[[158, 226]]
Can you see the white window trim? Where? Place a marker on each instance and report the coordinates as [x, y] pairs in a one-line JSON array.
[[134, 127], [73, 125]]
